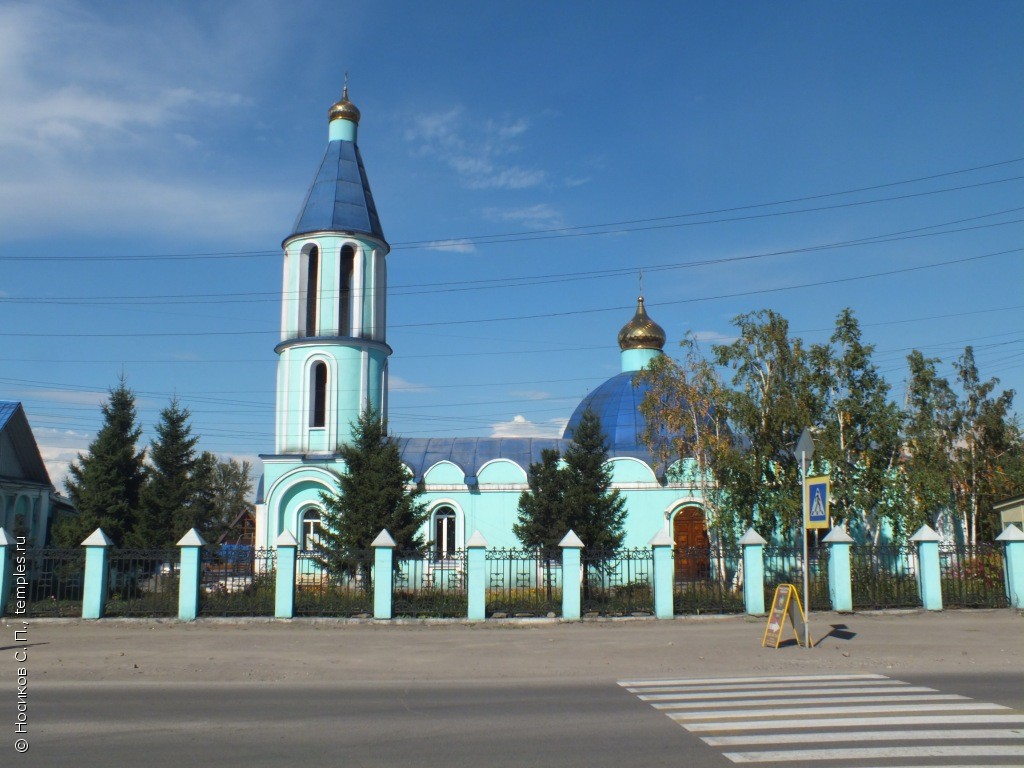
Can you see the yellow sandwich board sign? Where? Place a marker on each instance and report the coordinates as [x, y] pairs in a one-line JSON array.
[[785, 605], [816, 498]]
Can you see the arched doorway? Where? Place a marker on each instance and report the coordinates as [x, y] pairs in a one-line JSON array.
[[690, 535]]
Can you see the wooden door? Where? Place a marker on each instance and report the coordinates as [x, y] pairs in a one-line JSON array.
[[690, 535]]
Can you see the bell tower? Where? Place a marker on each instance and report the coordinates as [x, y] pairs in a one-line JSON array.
[[333, 352]]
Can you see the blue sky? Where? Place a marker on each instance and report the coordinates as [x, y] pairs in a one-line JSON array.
[[153, 156]]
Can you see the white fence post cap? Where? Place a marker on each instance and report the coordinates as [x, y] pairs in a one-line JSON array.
[[286, 539], [571, 541], [476, 540], [838, 536], [751, 537], [6, 539], [384, 539], [192, 539], [661, 539], [98, 539], [1012, 533], [925, 533]]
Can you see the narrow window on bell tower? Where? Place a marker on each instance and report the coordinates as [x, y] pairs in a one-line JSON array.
[[345, 274], [312, 276], [318, 396]]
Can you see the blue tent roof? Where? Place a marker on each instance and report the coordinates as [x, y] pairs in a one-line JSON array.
[[471, 453], [25, 462], [339, 199]]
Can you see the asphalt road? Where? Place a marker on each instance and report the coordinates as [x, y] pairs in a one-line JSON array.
[[545, 694]]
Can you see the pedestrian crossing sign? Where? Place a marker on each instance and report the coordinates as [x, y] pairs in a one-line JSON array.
[[816, 498]]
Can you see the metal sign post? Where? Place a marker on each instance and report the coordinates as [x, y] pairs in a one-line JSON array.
[[805, 450]]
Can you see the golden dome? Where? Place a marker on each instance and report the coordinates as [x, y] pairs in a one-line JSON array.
[[344, 109], [641, 332]]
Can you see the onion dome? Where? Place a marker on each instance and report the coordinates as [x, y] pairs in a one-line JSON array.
[[641, 332], [344, 109]]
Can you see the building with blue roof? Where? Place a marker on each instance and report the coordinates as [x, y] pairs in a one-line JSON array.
[[27, 498], [333, 364]]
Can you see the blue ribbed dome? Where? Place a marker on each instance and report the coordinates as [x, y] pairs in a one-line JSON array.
[[617, 405]]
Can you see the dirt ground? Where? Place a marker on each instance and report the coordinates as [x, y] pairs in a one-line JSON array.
[[329, 651]]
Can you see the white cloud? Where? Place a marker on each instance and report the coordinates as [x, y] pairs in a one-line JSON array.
[[452, 246], [475, 150], [530, 394], [539, 216], [59, 448], [398, 384], [69, 396], [713, 337], [520, 426]]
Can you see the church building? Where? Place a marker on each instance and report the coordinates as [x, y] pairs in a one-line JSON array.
[[333, 363]]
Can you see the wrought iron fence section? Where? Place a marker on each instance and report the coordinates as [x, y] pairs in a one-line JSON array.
[[428, 586], [784, 565], [239, 581], [523, 583], [142, 582], [972, 576], [55, 581], [344, 589], [884, 576], [617, 582], [707, 580]]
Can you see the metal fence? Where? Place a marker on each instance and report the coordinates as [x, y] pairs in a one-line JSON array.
[[707, 580], [617, 582], [784, 565], [55, 579], [884, 577], [430, 586], [142, 582], [523, 583], [237, 582], [972, 576], [346, 591]]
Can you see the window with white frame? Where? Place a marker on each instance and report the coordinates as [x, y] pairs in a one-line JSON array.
[[312, 528], [444, 532]]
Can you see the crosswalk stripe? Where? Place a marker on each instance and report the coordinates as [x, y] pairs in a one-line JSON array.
[[783, 684], [915, 735], [809, 700], [859, 710], [777, 693], [775, 679], [861, 753], [854, 722]]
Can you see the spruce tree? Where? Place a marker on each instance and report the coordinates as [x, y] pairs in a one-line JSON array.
[[542, 511], [594, 511], [167, 504], [372, 494], [104, 484]]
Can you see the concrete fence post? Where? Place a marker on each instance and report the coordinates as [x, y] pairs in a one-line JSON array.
[[1013, 558], [94, 590], [476, 577], [929, 576], [284, 583], [572, 575], [7, 543], [190, 575], [840, 589], [753, 571], [664, 607], [383, 574]]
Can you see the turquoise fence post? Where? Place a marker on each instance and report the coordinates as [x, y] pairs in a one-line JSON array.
[[840, 589], [191, 545], [1013, 554], [284, 584], [753, 572], [7, 543], [663, 567], [929, 576], [383, 574], [476, 577], [572, 576], [94, 590]]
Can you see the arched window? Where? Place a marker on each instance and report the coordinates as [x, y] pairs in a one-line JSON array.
[[444, 532], [312, 527], [318, 395], [345, 279], [312, 277]]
